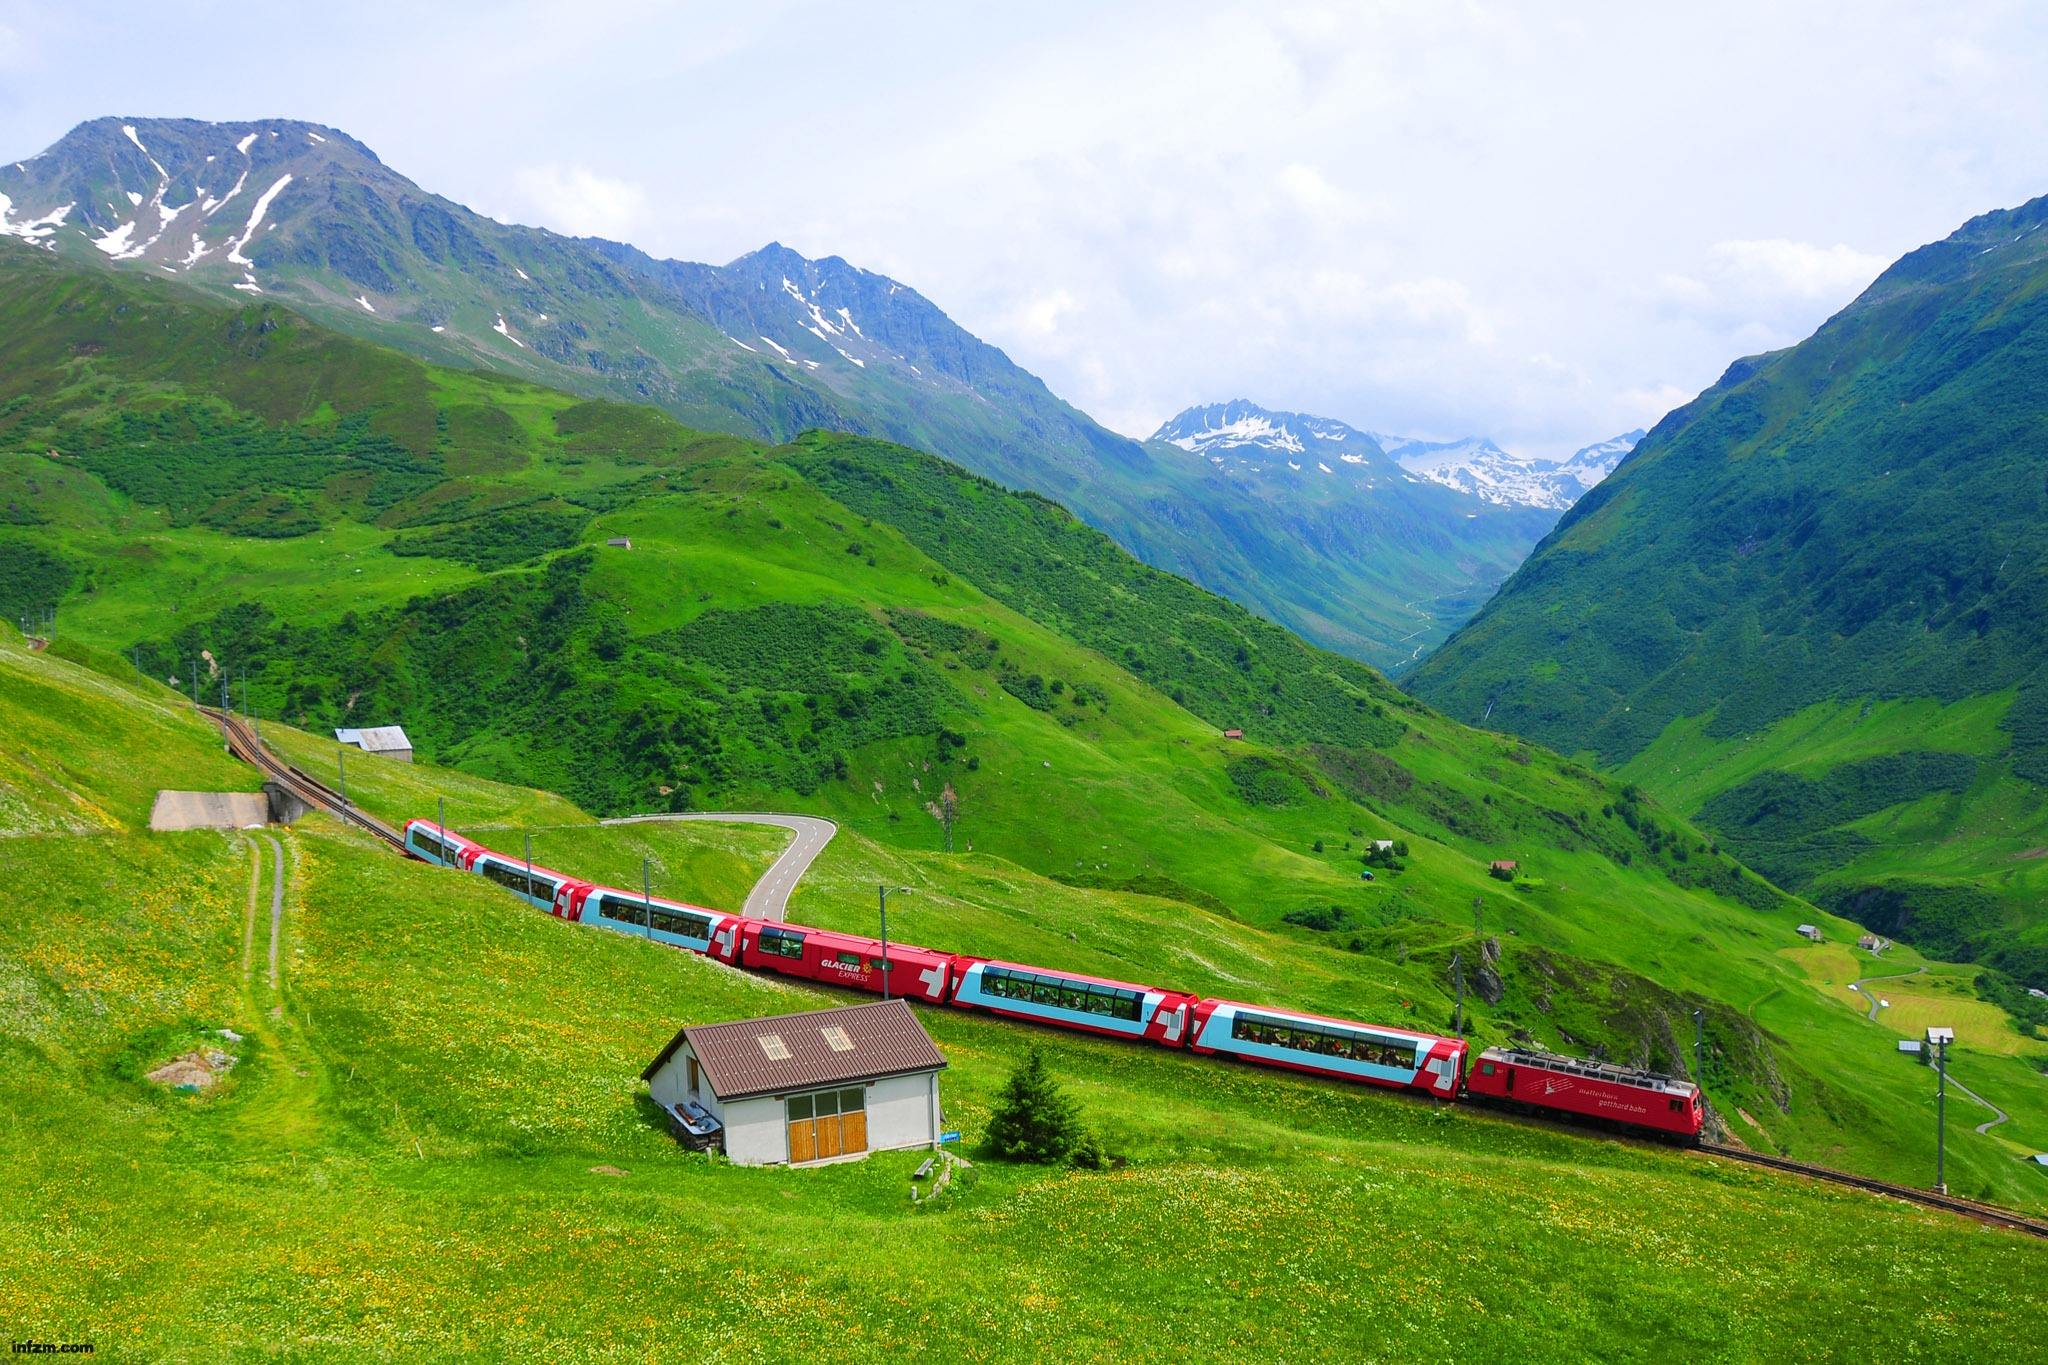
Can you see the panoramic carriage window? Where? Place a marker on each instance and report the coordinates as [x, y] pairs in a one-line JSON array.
[[782, 943], [516, 879], [1322, 1040], [1082, 997], [676, 922], [625, 911], [848, 959], [427, 843]]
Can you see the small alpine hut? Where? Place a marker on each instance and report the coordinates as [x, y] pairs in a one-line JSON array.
[[385, 741], [825, 1085]]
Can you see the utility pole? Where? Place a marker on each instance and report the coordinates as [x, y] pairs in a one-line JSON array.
[[341, 767], [529, 860], [195, 682], [1458, 975], [1478, 906], [1940, 1039], [1699, 1038], [441, 822], [646, 900], [882, 892]]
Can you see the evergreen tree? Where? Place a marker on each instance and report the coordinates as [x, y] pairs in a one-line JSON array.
[[1034, 1120]]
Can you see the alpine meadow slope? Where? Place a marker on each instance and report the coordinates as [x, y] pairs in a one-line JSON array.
[[1811, 609], [432, 1141], [765, 347], [848, 627]]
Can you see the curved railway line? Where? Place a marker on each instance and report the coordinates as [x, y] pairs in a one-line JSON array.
[[1969, 1208], [244, 743]]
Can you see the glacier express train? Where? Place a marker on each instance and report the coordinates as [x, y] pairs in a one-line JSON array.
[[1340, 1049]]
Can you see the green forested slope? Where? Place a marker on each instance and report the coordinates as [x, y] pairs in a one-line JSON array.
[[1861, 519], [848, 627]]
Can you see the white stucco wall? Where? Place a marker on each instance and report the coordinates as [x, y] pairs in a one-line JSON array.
[[756, 1133], [900, 1113], [903, 1111]]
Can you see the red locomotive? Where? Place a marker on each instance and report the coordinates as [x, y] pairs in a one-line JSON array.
[[1591, 1090]]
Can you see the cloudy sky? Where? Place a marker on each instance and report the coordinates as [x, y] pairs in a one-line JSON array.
[[1547, 223]]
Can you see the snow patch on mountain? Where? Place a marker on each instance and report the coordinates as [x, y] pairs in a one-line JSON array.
[[35, 230], [1477, 466], [256, 221]]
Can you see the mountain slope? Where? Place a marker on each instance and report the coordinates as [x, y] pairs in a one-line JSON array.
[[767, 346], [1431, 553], [437, 1093], [845, 626], [1857, 520]]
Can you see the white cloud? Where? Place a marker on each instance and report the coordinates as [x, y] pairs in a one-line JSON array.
[[1378, 211], [579, 202], [1797, 269]]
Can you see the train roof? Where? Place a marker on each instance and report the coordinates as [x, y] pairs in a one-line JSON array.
[[639, 898], [521, 865], [1581, 1066], [1140, 987], [1278, 1013]]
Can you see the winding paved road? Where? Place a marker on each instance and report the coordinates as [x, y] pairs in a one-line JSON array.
[[1871, 997], [770, 897]]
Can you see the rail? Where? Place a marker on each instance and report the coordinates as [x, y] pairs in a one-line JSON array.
[[244, 743], [1969, 1208]]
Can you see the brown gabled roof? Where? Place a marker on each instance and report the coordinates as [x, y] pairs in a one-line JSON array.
[[885, 1040]]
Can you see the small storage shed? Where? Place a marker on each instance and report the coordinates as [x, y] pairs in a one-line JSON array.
[[1503, 869], [825, 1085], [1808, 931], [620, 543], [1233, 733], [385, 741]]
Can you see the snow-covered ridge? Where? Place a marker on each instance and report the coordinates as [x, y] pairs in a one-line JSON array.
[[1477, 466]]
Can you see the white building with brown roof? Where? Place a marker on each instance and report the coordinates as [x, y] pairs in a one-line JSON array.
[[825, 1085]]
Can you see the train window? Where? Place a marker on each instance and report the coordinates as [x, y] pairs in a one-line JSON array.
[[1486, 1068], [848, 959], [782, 943], [427, 843], [685, 926], [1674, 1106]]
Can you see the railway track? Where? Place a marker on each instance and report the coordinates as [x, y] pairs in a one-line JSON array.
[[244, 744], [1969, 1208]]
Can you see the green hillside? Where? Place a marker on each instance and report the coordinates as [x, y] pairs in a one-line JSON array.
[[848, 627], [765, 346], [1812, 608], [433, 1141]]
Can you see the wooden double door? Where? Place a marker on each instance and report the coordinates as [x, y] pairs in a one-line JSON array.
[[827, 1123]]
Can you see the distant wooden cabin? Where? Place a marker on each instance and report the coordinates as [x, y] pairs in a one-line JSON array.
[[1504, 869], [1233, 734], [1811, 932], [620, 542]]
